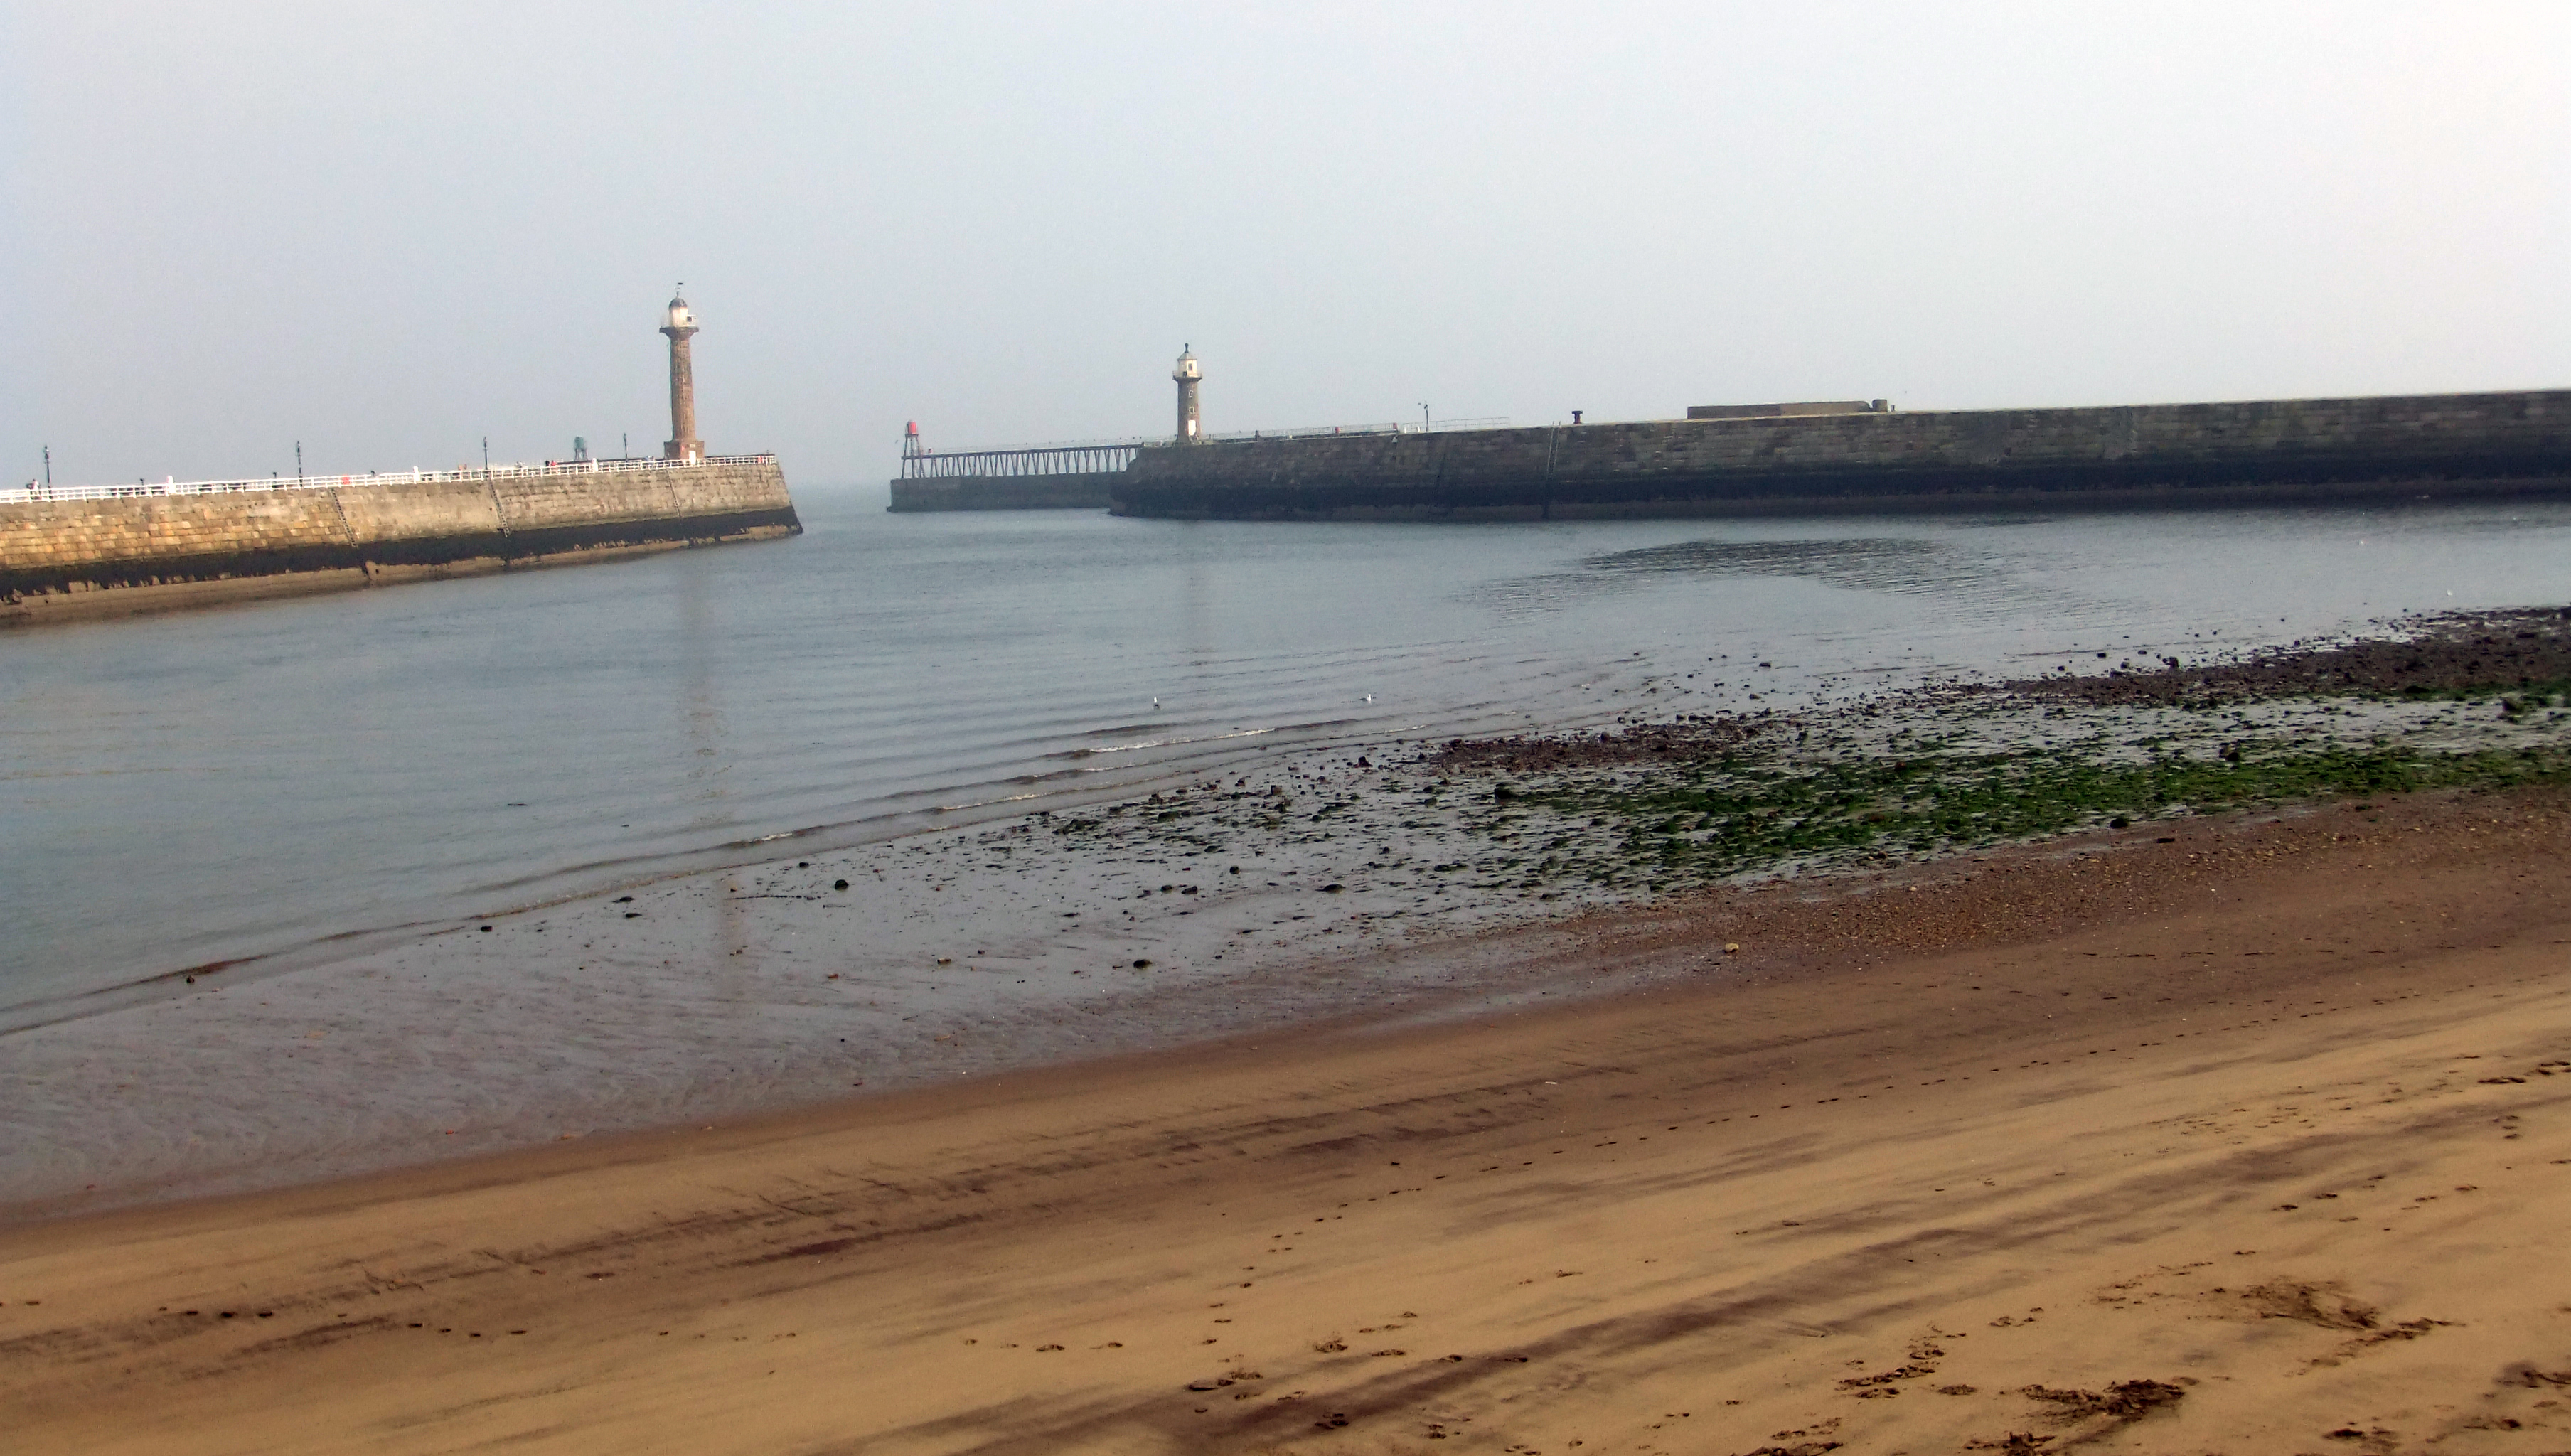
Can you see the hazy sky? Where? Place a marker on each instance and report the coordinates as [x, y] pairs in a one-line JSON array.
[[389, 229]]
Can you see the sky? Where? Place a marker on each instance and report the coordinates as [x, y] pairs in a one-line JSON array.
[[392, 231]]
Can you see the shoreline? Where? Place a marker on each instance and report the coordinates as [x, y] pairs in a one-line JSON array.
[[2164, 1101], [1327, 889]]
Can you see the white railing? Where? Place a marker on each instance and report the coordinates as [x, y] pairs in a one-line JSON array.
[[38, 491]]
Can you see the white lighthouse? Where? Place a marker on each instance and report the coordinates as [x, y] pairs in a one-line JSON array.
[[1189, 379]]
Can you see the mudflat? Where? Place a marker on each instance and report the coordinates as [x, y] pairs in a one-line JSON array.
[[2244, 1133]]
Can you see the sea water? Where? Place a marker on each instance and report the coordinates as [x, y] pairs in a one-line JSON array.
[[290, 782]]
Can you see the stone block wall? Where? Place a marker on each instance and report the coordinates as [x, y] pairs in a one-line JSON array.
[[2264, 449], [41, 537], [256, 542], [1087, 491]]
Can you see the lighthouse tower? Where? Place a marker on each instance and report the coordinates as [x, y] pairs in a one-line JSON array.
[[682, 443], [1189, 380]]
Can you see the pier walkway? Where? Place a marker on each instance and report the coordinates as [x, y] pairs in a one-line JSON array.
[[38, 491]]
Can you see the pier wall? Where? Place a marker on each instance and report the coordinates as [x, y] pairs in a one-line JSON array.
[[2144, 455], [1086, 491], [144, 553]]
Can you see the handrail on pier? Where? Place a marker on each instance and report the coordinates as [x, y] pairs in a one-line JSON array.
[[38, 491], [1093, 457], [1103, 457]]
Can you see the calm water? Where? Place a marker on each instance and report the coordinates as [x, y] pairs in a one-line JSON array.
[[299, 779]]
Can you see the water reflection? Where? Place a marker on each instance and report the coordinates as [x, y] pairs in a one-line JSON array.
[[276, 780]]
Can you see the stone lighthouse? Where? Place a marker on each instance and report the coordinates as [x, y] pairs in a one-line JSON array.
[[1189, 380], [682, 443]]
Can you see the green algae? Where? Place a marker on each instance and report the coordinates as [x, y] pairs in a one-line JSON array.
[[1740, 815], [1950, 767]]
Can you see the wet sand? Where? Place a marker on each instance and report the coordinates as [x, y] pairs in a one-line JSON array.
[[1182, 917], [2255, 1140], [1335, 886]]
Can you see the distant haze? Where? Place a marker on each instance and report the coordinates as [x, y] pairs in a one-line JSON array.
[[391, 230]]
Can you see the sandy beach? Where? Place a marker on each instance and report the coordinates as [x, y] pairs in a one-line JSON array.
[[2246, 1133], [1810, 734]]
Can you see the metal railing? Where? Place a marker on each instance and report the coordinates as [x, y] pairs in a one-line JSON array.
[[1102, 443], [1243, 437], [1092, 457], [1305, 433], [1088, 459], [38, 491]]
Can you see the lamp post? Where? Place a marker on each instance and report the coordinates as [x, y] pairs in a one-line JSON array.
[[1423, 416], [486, 454], [49, 467], [298, 460]]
